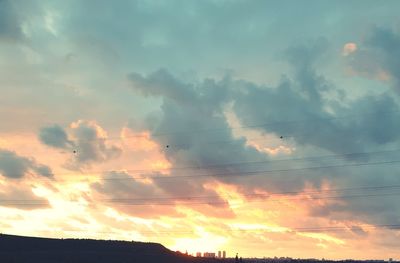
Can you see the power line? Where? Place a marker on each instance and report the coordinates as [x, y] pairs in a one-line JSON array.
[[269, 194], [344, 155], [252, 172], [222, 202], [327, 228], [249, 173], [228, 165], [273, 196], [336, 228]]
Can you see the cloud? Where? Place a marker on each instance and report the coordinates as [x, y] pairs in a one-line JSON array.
[[158, 196], [200, 107], [90, 143], [20, 196], [190, 112], [301, 107], [387, 43], [15, 166], [162, 83], [377, 56], [349, 48], [54, 136], [134, 197], [376, 206], [87, 144], [298, 109]]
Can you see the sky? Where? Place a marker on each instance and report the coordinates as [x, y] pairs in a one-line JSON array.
[[264, 128]]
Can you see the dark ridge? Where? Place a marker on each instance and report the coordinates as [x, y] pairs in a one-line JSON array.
[[20, 249]]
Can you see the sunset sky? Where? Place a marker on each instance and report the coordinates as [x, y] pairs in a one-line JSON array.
[[264, 128]]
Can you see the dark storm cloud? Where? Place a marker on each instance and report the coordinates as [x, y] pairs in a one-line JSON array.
[[15, 166], [88, 143], [10, 27]]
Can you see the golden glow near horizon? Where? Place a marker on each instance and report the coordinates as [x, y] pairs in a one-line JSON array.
[[74, 210]]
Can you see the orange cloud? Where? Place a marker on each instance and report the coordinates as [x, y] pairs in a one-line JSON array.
[[349, 48]]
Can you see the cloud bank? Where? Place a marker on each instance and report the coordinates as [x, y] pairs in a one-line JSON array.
[[88, 144], [15, 166]]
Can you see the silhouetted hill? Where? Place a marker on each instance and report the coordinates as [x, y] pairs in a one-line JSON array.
[[19, 249]]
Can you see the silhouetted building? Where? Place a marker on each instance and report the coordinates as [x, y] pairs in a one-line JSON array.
[[219, 254], [224, 254], [209, 255], [198, 254]]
